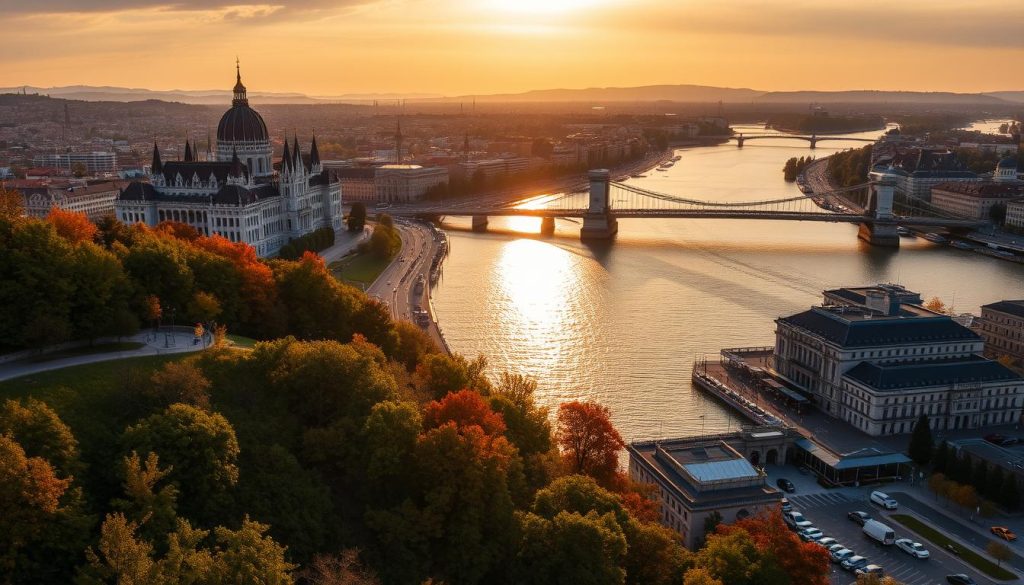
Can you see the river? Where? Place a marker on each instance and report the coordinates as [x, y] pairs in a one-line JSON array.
[[623, 323]]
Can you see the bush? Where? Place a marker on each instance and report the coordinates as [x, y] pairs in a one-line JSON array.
[[314, 241]]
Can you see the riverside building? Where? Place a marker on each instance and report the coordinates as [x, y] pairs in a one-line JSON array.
[[240, 195], [875, 358], [1002, 326], [697, 477]]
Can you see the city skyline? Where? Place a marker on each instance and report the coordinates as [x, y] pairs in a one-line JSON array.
[[326, 48]]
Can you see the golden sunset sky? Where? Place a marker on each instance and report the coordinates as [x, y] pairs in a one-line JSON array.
[[451, 47]]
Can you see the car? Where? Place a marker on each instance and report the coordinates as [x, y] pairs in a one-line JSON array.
[[914, 549], [859, 517], [882, 499], [960, 579], [826, 542], [869, 570], [1004, 533], [786, 505], [796, 520], [810, 534], [1001, 440], [841, 555], [853, 563], [835, 547], [785, 485]]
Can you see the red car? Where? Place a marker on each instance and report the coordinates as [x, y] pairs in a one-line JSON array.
[[1004, 533]]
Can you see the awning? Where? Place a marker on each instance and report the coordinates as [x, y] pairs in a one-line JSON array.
[[869, 457]]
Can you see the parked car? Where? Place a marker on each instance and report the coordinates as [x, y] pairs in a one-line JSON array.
[[859, 517], [826, 542], [879, 532], [835, 547], [796, 520], [882, 499], [960, 579], [1002, 440], [810, 534], [841, 555], [785, 485], [786, 505], [870, 570], [914, 549], [1004, 533], [853, 563]]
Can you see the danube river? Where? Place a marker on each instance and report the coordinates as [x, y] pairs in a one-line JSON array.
[[623, 323]]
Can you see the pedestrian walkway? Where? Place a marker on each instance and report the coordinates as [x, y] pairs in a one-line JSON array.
[[345, 242], [809, 501], [181, 340]]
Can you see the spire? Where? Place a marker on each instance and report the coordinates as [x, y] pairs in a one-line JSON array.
[[314, 153], [239, 91], [209, 146], [236, 164], [398, 141], [296, 154], [158, 166], [189, 157], [286, 157]]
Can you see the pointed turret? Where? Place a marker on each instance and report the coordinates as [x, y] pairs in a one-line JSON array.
[[286, 157], [297, 154], [314, 153], [240, 98], [189, 157], [158, 166]]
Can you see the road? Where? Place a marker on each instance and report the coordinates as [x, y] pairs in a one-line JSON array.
[[396, 286]]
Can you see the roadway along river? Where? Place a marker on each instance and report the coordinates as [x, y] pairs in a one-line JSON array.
[[622, 324]]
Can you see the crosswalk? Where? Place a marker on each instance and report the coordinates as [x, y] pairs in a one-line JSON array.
[[817, 500]]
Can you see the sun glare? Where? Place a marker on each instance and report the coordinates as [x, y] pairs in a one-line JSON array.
[[542, 6]]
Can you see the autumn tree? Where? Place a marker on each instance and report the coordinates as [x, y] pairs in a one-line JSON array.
[[998, 551], [150, 505], [588, 440], [12, 205], [570, 548], [41, 433], [803, 562], [936, 305], [464, 408], [344, 568], [204, 307], [73, 226], [179, 382]]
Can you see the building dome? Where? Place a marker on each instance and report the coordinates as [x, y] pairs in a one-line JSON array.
[[241, 123], [1007, 163]]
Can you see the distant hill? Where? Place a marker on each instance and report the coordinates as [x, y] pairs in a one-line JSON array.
[[647, 93], [90, 93], [877, 97], [1010, 96]]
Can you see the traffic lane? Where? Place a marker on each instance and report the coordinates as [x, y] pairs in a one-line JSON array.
[[828, 512], [955, 528]]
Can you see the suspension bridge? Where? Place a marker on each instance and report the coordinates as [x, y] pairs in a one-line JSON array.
[[873, 206], [814, 139]]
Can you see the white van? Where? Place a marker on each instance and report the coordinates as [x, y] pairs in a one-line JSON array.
[[883, 500], [880, 532]]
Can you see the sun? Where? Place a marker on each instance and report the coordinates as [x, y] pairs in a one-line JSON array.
[[542, 6]]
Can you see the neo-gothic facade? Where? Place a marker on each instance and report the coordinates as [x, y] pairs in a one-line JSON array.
[[239, 195]]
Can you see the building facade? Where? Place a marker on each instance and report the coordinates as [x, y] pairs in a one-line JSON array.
[[1015, 214], [973, 200], [879, 363], [240, 195], [698, 477], [94, 162], [95, 201], [406, 183], [1002, 327]]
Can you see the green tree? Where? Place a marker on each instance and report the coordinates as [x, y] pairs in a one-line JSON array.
[[41, 433], [588, 549], [201, 450], [921, 445], [179, 382], [734, 559], [357, 217], [146, 504]]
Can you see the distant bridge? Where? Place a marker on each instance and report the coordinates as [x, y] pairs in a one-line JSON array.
[[814, 139], [606, 201]]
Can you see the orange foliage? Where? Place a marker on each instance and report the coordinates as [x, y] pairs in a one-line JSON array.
[[805, 563], [638, 499], [314, 259], [179, 230], [73, 226], [588, 440], [466, 408]]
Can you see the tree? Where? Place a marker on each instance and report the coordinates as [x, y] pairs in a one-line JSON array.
[[938, 483], [700, 576], [204, 307], [79, 170], [344, 568], [733, 558], [151, 507], [73, 226], [201, 449], [936, 305], [782, 552], [712, 521], [41, 433], [965, 496], [589, 549], [998, 551], [920, 448], [357, 217], [152, 311], [588, 440], [940, 460], [179, 382], [12, 205], [464, 408]]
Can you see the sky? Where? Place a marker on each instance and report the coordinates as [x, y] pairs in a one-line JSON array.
[[461, 47]]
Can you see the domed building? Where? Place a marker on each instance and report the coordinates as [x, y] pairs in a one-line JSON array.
[[1006, 171], [237, 194]]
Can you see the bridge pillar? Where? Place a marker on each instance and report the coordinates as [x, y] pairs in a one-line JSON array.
[[814, 141], [479, 223], [739, 141], [880, 229], [547, 226], [599, 223]]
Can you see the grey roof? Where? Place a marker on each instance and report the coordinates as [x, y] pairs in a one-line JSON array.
[[241, 124], [227, 195], [1015, 308], [867, 457], [1007, 163], [720, 470], [220, 170], [879, 330], [136, 191], [930, 373]]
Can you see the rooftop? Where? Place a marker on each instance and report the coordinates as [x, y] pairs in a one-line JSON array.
[[930, 373], [981, 190], [1015, 308], [853, 327]]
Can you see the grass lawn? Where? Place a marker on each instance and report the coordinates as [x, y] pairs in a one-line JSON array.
[[242, 341], [359, 269], [88, 350], [939, 539]]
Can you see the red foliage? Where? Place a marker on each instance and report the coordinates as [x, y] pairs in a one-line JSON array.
[[179, 230], [805, 563], [258, 287], [314, 259], [588, 440], [466, 408], [73, 226], [638, 498]]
